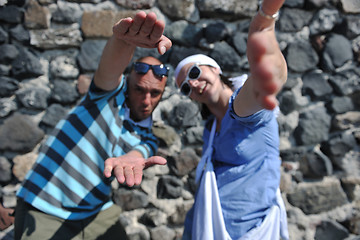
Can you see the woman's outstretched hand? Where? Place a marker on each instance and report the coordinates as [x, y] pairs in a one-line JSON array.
[[268, 69]]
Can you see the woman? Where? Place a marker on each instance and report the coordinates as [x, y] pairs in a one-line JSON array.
[[246, 143]]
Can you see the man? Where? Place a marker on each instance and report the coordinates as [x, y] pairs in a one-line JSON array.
[[66, 195]]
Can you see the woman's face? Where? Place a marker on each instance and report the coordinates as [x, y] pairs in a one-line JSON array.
[[203, 88]]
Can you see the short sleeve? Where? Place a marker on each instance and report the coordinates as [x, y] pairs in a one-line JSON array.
[[254, 120]]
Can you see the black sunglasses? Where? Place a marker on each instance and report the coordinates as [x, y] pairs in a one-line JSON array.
[[159, 70], [193, 74]]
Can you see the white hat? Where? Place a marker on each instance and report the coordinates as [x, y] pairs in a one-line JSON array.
[[197, 58]]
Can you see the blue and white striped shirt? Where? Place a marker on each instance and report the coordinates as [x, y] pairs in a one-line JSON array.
[[67, 179]]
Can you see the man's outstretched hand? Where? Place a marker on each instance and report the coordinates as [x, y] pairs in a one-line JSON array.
[[143, 30], [129, 168]]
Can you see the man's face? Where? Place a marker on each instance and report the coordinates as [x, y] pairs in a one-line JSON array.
[[144, 91]]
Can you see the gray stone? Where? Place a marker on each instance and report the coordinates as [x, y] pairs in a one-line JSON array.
[[294, 3], [8, 86], [185, 114], [350, 6], [346, 82], [5, 170], [8, 53], [67, 12], [301, 56], [26, 65], [337, 146], [20, 34], [314, 126], [346, 121], [239, 41], [162, 233], [324, 20], [351, 185], [154, 218], [351, 27], [288, 123], [130, 200], [5, 70], [33, 98], [4, 36], [11, 14], [186, 10], [193, 136], [294, 154], [7, 105], [293, 19], [53, 114], [287, 102], [64, 92], [226, 57], [90, 54], [166, 134], [315, 164], [178, 53], [64, 67], [317, 197], [340, 105], [331, 230], [215, 32], [138, 232], [62, 37], [338, 50], [317, 3], [19, 133], [316, 85], [226, 9], [185, 162], [169, 187], [183, 33], [136, 4]]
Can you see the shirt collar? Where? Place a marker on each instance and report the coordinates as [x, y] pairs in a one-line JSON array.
[[147, 123]]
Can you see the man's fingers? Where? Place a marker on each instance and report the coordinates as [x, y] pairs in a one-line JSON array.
[[108, 168], [158, 30], [122, 27], [138, 173], [119, 174], [129, 176], [164, 45], [137, 23], [148, 25], [155, 160]]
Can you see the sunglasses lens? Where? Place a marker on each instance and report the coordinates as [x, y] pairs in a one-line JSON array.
[[160, 70], [185, 89], [194, 72], [141, 68]]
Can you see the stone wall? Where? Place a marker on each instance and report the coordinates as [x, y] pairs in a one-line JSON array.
[[49, 50]]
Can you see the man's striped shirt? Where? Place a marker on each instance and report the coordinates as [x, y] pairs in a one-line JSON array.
[[67, 179]]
